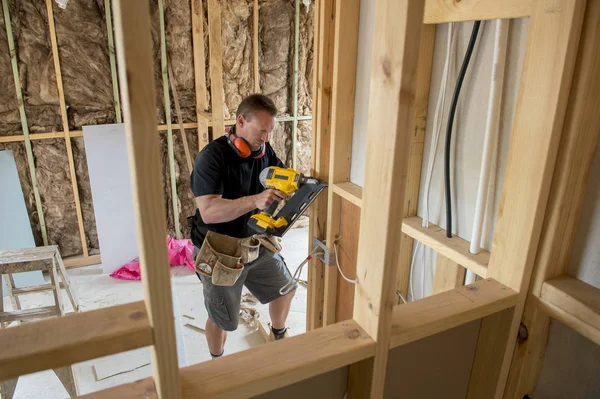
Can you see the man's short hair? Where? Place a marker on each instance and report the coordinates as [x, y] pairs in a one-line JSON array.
[[256, 102]]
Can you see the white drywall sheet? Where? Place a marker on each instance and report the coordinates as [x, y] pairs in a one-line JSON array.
[[108, 166], [15, 229]]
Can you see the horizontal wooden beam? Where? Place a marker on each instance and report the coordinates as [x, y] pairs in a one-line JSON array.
[[161, 128], [240, 375], [76, 337], [442, 11], [349, 191], [454, 248], [441, 312], [574, 303], [79, 261]]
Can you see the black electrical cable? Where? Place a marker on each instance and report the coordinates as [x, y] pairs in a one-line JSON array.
[[459, 82]]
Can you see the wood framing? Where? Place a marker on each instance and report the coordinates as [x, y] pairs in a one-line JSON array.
[[554, 30], [343, 85], [321, 140], [134, 51], [395, 56], [378, 325], [417, 141], [65, 122], [199, 71], [579, 141], [76, 337], [216, 67], [113, 61], [255, 41], [442, 11]]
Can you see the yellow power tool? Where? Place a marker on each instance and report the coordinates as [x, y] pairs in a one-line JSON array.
[[301, 192]]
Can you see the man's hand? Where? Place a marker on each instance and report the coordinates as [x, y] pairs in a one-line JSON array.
[[266, 198]]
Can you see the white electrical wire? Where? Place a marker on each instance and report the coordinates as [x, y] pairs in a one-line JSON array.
[[436, 131], [286, 289], [339, 268], [437, 120]]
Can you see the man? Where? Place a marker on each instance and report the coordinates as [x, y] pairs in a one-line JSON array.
[[225, 182]]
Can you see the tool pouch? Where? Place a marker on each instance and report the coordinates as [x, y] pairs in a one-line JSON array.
[[272, 243], [220, 258], [250, 248]]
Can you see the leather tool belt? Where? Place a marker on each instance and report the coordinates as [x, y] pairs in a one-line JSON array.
[[222, 258]]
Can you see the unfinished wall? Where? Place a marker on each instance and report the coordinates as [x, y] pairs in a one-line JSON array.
[[572, 361], [85, 66]]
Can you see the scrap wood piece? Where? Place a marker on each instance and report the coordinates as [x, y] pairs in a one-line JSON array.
[[249, 298], [195, 327], [121, 363]]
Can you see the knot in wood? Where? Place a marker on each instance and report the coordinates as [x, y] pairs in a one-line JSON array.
[[137, 315], [353, 334]]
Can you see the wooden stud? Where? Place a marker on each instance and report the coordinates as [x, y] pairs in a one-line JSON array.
[[134, 51], [417, 141], [554, 30], [24, 125], [493, 336], [76, 337], [344, 78], [391, 109], [454, 248], [576, 154], [255, 41], [113, 61], [321, 138], [448, 275], [188, 156], [216, 67], [199, 71], [65, 122], [434, 314], [442, 11], [167, 99]]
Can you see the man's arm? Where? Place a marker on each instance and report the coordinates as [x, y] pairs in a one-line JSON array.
[[214, 209]]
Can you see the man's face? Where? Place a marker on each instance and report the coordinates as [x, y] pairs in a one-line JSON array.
[[256, 130]]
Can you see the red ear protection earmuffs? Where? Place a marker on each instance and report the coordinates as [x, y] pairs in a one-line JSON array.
[[242, 148]]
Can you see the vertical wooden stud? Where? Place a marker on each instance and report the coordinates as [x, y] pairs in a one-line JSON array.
[[344, 87], [199, 72], [216, 67], [554, 30], [65, 122], [325, 17], [113, 61], [391, 109], [575, 157], [448, 275], [255, 41], [134, 51]]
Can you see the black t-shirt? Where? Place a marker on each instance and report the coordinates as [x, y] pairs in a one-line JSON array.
[[219, 170]]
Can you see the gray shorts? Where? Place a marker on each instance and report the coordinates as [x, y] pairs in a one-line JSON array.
[[264, 278]]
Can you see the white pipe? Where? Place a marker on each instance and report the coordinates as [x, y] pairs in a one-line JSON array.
[[491, 129]]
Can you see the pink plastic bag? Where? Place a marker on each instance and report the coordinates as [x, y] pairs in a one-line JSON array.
[[181, 253]]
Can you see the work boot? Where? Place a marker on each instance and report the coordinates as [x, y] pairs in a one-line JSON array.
[[276, 335]]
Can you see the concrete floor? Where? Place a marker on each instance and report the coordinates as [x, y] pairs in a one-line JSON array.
[[96, 290]]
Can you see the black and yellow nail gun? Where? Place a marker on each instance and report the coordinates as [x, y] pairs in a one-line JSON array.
[[301, 190]]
